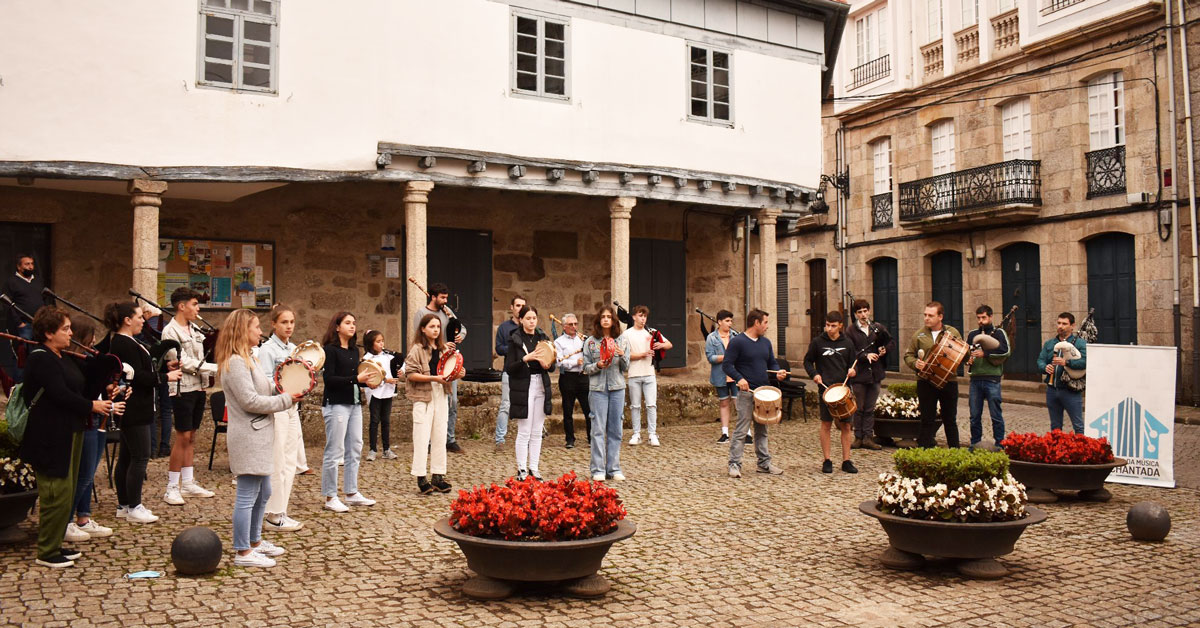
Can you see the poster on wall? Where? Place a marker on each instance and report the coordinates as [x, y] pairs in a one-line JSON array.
[[222, 292], [227, 273], [1130, 400]]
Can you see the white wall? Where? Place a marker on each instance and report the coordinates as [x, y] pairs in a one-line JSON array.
[[116, 82]]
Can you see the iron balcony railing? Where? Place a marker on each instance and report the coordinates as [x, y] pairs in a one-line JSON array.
[[870, 71], [1106, 171], [1054, 6], [1016, 181], [881, 210]]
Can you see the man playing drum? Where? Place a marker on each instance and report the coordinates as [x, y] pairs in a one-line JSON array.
[[830, 362], [929, 397], [747, 360]]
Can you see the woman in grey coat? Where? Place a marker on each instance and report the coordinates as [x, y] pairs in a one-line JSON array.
[[251, 438]]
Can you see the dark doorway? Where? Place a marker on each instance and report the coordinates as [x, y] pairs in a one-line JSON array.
[[946, 272], [658, 280], [817, 298], [1112, 288], [22, 238], [468, 274], [1021, 284], [781, 306], [885, 304]]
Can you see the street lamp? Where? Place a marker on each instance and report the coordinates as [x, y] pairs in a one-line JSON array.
[[840, 181]]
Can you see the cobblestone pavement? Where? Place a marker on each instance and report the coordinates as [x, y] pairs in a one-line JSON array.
[[790, 550]]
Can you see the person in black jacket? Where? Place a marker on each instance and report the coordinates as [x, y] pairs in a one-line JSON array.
[[54, 435], [342, 410], [528, 389], [26, 289], [871, 342], [830, 359], [124, 319]]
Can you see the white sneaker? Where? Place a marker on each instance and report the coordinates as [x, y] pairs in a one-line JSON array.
[[358, 499], [597, 477], [74, 534], [619, 477], [95, 530], [370, 455], [336, 505], [122, 512], [139, 514], [636, 439], [285, 524], [191, 489], [173, 496], [253, 559], [654, 440], [267, 548], [389, 455]]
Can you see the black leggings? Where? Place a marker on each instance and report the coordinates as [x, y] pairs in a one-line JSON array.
[[928, 400], [131, 464], [381, 417]]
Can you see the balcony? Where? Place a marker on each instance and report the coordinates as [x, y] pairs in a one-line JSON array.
[[1054, 6], [994, 194], [1006, 29], [1106, 171], [870, 72], [931, 56], [881, 211], [967, 43]]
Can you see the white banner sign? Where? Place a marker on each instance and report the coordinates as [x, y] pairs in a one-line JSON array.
[[1131, 402]]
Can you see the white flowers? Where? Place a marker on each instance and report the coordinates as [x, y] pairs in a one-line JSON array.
[[891, 407], [994, 499], [16, 476]]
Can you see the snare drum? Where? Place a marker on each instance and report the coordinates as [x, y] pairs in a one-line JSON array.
[[310, 352], [943, 360], [840, 401], [452, 366], [295, 375], [768, 405], [374, 373]]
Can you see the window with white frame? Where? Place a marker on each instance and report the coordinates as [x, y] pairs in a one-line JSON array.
[[870, 33], [970, 12], [942, 136], [1016, 129], [1106, 110], [239, 44], [540, 54], [881, 158], [709, 85], [1004, 6], [934, 15]]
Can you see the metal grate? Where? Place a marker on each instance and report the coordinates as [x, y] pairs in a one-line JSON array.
[[881, 210], [1053, 6], [1106, 171], [1008, 182], [870, 71]]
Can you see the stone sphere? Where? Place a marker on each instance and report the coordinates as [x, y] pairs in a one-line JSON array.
[[196, 551], [1148, 521]]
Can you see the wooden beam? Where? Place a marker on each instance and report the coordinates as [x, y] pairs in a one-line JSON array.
[[477, 166], [626, 178], [681, 182], [729, 186], [590, 176], [383, 160], [704, 185], [555, 174], [427, 162], [654, 179], [516, 172]]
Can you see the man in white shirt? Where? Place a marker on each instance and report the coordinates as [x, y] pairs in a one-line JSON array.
[[187, 395], [572, 383], [643, 384]]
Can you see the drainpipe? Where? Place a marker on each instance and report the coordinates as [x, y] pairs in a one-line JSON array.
[[1191, 158], [1176, 314], [843, 215], [746, 250]]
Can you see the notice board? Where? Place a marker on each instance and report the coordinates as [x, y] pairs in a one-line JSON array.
[[228, 274]]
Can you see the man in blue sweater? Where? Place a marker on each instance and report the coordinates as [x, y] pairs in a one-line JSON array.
[[503, 333], [748, 358]]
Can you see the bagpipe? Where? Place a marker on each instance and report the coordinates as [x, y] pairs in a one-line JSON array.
[[704, 331], [206, 329], [987, 341], [656, 336], [453, 325], [1075, 379]]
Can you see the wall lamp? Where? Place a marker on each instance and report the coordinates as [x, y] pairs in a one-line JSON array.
[[840, 181]]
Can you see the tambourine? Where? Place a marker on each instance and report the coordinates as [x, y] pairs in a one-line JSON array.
[[295, 375], [312, 352], [544, 353], [452, 366], [608, 349], [374, 373]]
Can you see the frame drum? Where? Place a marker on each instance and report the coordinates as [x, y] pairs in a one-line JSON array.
[[295, 375], [374, 373], [310, 352]]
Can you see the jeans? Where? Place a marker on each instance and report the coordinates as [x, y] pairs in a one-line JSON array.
[[253, 491], [574, 386], [89, 460], [502, 414], [452, 414], [54, 503], [131, 464], [160, 434], [1059, 399], [864, 418], [982, 389], [645, 388], [428, 425], [745, 418], [608, 411], [928, 400], [381, 420], [343, 437]]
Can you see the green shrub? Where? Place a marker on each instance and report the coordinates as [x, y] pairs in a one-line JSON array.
[[952, 467], [8, 445], [903, 390]]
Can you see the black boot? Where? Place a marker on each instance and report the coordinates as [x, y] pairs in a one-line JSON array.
[[423, 486], [440, 483]]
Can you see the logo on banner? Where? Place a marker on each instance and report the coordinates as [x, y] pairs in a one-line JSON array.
[[1134, 434]]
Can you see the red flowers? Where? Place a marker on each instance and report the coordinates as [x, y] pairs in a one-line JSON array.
[[562, 510], [1058, 448]]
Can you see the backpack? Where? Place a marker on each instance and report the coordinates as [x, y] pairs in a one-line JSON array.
[[16, 414]]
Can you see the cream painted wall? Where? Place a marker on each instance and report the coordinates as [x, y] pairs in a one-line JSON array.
[[116, 82]]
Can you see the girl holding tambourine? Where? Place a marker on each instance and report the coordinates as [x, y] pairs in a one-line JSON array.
[[380, 397], [528, 384], [342, 411], [605, 361], [426, 388], [289, 438]]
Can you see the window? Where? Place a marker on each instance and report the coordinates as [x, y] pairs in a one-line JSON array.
[[1016, 130], [871, 35], [1106, 110], [970, 12], [934, 9], [942, 134], [710, 84], [1005, 6], [881, 152], [541, 56], [239, 48]]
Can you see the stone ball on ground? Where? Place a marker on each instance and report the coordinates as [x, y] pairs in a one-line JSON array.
[[1148, 521], [196, 551]]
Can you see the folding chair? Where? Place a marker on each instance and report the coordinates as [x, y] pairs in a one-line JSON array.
[[220, 422]]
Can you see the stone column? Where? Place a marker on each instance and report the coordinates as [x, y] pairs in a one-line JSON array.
[[146, 198], [416, 201], [620, 209], [767, 257]]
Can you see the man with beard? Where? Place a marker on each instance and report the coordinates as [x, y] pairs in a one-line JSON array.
[[987, 368], [25, 288]]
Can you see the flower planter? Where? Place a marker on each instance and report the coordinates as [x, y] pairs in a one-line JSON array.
[[978, 543], [14, 508], [501, 565], [902, 431], [1040, 478]]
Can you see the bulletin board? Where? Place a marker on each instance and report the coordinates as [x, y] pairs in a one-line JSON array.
[[228, 274]]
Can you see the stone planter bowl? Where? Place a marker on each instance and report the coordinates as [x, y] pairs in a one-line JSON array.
[[14, 507], [1040, 478], [903, 431]]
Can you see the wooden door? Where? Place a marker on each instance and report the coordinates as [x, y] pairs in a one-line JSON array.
[[1021, 284]]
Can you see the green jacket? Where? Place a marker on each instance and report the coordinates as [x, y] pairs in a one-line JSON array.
[[991, 364], [923, 341]]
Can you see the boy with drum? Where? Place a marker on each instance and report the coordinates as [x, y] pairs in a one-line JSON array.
[[929, 397], [830, 362], [747, 360]]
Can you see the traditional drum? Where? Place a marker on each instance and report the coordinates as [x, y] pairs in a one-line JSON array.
[[374, 373], [295, 375], [839, 399], [768, 405], [608, 349], [943, 360], [452, 366], [310, 352], [544, 353]]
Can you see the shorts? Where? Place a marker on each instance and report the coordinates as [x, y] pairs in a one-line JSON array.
[[828, 418], [726, 392], [189, 410]]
